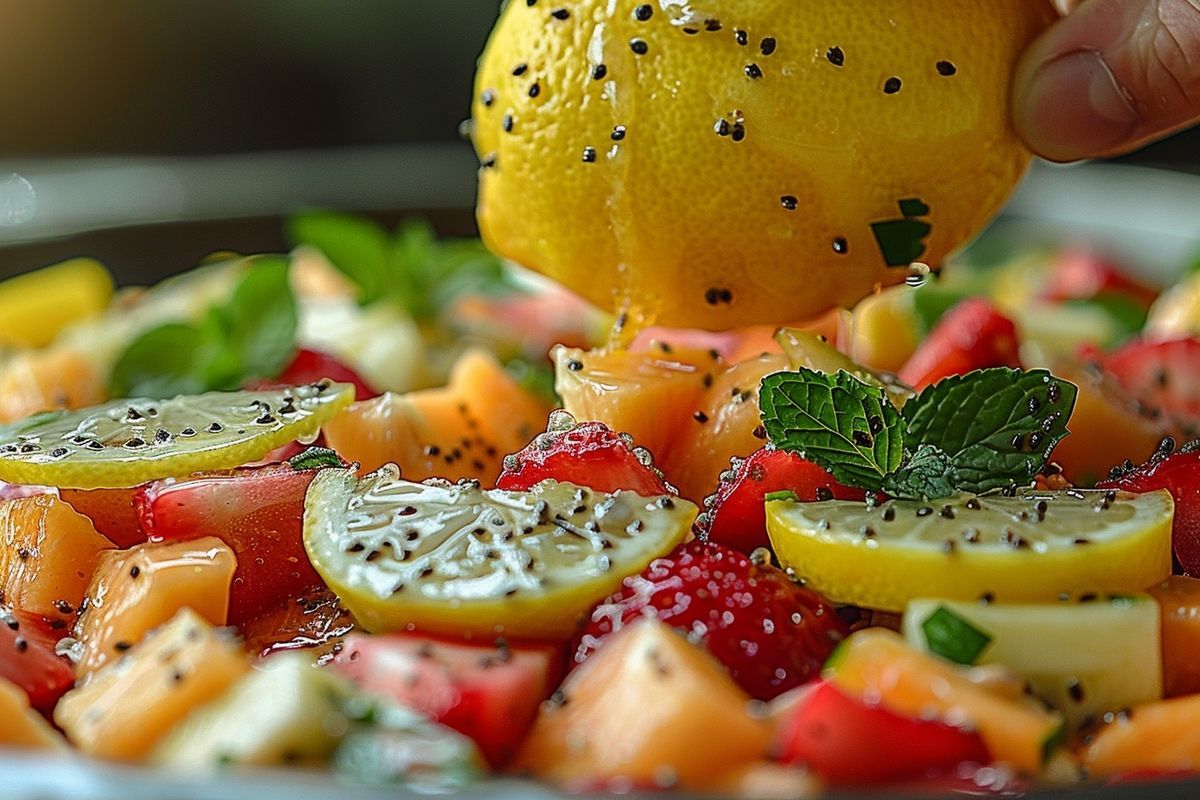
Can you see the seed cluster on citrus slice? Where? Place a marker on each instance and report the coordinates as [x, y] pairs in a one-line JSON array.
[[456, 559], [714, 164], [129, 442], [1035, 547]]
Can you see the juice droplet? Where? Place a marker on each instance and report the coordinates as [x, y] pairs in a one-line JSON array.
[[918, 273]]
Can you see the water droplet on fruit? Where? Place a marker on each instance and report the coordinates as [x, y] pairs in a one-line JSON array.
[[918, 273]]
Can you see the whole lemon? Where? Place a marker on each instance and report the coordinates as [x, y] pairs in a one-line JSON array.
[[714, 163]]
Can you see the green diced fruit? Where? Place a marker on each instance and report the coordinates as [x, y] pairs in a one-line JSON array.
[[1081, 658], [391, 744], [287, 712]]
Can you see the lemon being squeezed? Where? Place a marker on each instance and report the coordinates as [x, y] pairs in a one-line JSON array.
[[717, 163]]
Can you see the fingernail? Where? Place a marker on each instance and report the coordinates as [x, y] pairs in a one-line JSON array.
[[1074, 109]]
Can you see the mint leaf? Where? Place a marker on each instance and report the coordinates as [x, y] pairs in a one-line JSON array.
[[837, 421], [412, 267], [358, 247], [251, 336], [953, 638], [262, 319], [315, 458], [928, 474], [997, 426]]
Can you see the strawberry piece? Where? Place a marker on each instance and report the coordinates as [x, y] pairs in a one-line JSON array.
[[310, 366], [589, 454], [1081, 274], [848, 742], [1163, 380], [490, 693], [257, 511], [27, 657], [1177, 471], [736, 516], [770, 633], [972, 335]]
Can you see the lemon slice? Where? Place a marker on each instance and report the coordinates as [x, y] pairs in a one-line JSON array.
[[1035, 547], [129, 442], [455, 559]]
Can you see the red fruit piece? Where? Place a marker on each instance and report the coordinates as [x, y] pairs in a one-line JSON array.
[[491, 694], [27, 657], [770, 633], [1179, 473], [590, 454], [972, 335], [316, 621], [848, 742], [257, 511], [111, 512], [310, 366], [1162, 378], [1080, 274], [736, 516]]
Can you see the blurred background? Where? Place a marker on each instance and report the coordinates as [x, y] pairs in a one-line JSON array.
[[218, 117]]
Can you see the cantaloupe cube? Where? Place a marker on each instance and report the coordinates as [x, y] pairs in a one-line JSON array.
[[648, 708], [121, 711], [21, 726], [134, 591], [48, 553]]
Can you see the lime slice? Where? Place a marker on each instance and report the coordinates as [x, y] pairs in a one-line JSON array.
[[1032, 548], [129, 442], [454, 559]]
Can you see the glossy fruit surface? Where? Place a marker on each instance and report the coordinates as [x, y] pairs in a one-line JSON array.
[[687, 162], [770, 633]]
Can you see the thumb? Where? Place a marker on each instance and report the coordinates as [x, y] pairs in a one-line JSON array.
[[1109, 77]]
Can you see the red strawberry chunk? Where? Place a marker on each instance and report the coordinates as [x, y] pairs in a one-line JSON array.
[[27, 657], [310, 366], [257, 511], [1179, 473], [736, 516], [848, 742], [589, 454], [1162, 378], [972, 335], [490, 693], [770, 633]]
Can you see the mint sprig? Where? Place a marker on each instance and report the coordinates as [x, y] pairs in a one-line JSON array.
[[410, 266], [988, 429], [841, 423], [252, 336]]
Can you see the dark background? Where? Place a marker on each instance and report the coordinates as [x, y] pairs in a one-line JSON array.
[[190, 82], [192, 77]]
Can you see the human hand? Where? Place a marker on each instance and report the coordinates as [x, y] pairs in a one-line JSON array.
[[1109, 77]]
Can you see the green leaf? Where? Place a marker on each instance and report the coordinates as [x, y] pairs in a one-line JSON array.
[[997, 425], [1127, 315], [358, 247], [953, 638], [782, 494], [315, 458], [263, 318], [169, 360], [836, 421], [538, 379], [251, 336], [928, 474]]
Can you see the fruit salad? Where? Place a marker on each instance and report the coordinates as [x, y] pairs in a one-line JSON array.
[[391, 509]]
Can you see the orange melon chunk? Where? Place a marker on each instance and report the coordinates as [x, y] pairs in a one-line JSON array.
[[48, 553], [21, 726], [136, 590], [43, 380], [461, 430], [877, 663], [1179, 598], [1158, 737], [648, 709], [126, 707]]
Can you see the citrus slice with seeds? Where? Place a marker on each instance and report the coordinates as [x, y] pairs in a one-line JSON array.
[[1035, 547], [129, 442], [455, 559]]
